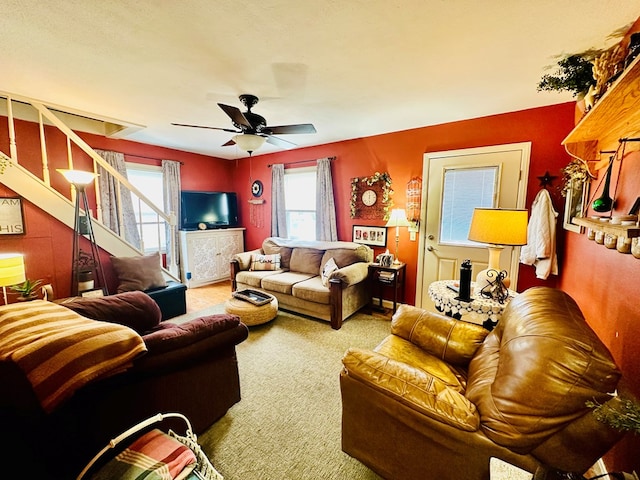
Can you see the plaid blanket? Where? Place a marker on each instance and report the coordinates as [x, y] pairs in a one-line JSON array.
[[60, 351], [154, 456]]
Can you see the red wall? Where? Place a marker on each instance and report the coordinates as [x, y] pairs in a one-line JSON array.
[[47, 242], [401, 154]]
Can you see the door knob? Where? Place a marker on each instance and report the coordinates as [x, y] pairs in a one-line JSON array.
[[431, 237]]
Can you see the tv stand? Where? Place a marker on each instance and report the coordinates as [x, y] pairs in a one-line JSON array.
[[206, 254]]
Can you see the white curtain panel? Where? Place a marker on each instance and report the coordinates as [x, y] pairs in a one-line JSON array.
[[109, 198], [172, 185], [326, 227], [278, 208]]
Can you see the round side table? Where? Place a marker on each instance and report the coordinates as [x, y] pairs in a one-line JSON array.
[[487, 309]]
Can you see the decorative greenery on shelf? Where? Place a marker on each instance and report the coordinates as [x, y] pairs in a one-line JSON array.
[[574, 74], [385, 178], [27, 290], [625, 416]]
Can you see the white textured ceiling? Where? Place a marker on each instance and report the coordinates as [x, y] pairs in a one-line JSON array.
[[353, 68]]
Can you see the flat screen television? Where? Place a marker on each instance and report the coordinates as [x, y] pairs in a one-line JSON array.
[[211, 209]]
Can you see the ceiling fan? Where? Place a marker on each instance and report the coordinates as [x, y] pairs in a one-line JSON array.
[[252, 129]]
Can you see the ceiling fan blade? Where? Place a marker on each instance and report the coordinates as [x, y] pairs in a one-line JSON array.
[[209, 128], [235, 114], [229, 143], [278, 142], [283, 129]]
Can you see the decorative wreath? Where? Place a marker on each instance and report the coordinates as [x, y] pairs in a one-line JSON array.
[[378, 181]]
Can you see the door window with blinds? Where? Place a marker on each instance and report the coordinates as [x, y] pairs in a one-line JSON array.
[[465, 188]]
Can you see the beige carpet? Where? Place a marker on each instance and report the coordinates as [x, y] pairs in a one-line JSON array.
[[287, 425]]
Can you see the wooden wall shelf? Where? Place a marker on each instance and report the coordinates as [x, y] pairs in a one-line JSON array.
[[626, 231], [616, 115]]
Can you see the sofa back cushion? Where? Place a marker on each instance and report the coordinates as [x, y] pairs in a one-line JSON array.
[[347, 256], [139, 273], [533, 374], [273, 245], [306, 260], [136, 310]]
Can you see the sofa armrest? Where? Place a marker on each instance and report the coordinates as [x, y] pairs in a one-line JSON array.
[[243, 259], [351, 274], [451, 340], [171, 345], [412, 387]]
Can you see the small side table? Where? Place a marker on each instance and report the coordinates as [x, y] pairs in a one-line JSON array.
[[447, 301], [392, 276]]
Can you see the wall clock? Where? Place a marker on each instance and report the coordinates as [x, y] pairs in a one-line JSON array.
[[369, 197], [256, 188]]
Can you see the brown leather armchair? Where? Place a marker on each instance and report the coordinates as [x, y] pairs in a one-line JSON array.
[[436, 399]]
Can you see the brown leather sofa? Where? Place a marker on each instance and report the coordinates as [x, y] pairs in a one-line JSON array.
[[436, 399], [189, 368]]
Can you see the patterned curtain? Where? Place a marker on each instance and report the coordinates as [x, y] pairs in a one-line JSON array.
[[278, 209], [326, 227], [172, 186], [109, 198]]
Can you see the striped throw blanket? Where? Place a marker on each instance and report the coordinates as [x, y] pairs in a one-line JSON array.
[[154, 456], [60, 351]]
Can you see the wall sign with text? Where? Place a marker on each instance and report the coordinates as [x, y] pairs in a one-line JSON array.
[[11, 218]]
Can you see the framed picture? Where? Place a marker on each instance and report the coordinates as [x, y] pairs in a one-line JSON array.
[[574, 205], [375, 236], [95, 293], [11, 218]]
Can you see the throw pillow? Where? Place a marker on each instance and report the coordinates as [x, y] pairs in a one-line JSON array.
[[328, 269], [138, 273], [265, 262]]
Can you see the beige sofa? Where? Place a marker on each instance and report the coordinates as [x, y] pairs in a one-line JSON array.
[[292, 271]]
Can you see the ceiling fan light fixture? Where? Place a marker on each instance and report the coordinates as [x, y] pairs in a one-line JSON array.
[[249, 142]]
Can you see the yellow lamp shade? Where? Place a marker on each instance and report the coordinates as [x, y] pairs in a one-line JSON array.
[[11, 269], [499, 226]]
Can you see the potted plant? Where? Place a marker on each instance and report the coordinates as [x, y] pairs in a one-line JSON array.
[[623, 416], [574, 74], [27, 290]]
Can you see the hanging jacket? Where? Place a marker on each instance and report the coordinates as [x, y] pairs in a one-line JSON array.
[[540, 249]]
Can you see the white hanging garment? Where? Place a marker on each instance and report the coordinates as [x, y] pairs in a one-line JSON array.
[[540, 249]]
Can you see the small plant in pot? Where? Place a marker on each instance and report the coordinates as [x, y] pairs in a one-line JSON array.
[[27, 290]]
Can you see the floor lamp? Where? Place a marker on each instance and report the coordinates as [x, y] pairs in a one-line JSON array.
[[81, 261], [398, 218], [11, 271], [497, 227]]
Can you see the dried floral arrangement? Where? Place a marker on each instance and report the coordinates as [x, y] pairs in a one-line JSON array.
[[575, 171]]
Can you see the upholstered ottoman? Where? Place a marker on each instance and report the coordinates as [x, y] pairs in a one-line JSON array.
[[251, 314]]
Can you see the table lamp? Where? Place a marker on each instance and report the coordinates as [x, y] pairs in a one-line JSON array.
[[398, 218], [11, 271], [497, 227]]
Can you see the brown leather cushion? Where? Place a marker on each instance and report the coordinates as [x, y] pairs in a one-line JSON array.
[[138, 273], [535, 371]]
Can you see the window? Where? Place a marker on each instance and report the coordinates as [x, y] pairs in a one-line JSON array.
[[463, 190], [148, 179], [300, 202]]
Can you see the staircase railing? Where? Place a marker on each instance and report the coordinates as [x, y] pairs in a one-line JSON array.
[[168, 221]]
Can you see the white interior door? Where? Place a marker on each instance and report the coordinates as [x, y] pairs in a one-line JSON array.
[[454, 183]]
